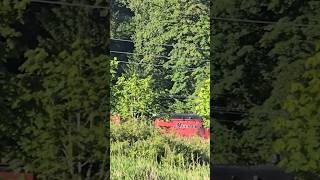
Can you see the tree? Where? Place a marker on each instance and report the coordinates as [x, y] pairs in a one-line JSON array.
[[298, 128], [134, 96], [185, 24], [202, 100], [113, 71], [224, 144], [11, 15], [255, 63], [63, 83]]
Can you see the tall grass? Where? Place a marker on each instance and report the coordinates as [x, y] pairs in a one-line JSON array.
[[138, 151], [123, 167]]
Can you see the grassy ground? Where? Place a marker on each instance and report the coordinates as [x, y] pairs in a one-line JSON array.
[[138, 151], [141, 168]]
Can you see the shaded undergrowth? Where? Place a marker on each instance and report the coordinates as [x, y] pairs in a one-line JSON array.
[[139, 151]]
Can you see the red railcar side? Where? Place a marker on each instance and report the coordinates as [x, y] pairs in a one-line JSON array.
[[15, 176], [184, 126]]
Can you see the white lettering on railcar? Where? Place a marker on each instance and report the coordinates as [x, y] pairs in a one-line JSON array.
[[180, 125]]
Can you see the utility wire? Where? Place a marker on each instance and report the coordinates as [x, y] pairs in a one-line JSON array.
[[129, 53], [215, 120], [227, 112], [168, 45], [155, 65], [217, 109], [157, 56], [224, 109], [222, 120], [158, 65], [234, 109], [179, 97], [69, 4], [215, 18], [262, 21]]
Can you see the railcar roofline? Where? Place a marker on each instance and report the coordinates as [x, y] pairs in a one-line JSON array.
[[179, 116]]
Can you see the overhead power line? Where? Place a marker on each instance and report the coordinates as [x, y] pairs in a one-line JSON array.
[[69, 4], [139, 54], [152, 55], [262, 21], [155, 65], [222, 110], [158, 65], [214, 120], [231, 109], [223, 121], [215, 18], [172, 96], [228, 112], [218, 109], [168, 45]]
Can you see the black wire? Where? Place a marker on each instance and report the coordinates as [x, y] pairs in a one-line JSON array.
[[218, 109], [69, 4], [158, 56], [169, 45], [261, 21], [157, 65], [214, 18]]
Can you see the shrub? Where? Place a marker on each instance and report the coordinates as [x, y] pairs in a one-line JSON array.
[[139, 150]]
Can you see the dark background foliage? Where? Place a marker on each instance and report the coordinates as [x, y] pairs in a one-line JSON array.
[[54, 89], [257, 67]]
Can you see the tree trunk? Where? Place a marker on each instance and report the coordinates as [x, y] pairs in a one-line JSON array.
[[79, 160]]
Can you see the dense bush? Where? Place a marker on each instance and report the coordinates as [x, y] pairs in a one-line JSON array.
[[137, 147]]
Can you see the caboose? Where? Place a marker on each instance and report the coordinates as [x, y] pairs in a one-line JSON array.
[[185, 125]]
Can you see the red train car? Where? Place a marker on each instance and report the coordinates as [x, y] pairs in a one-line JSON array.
[[15, 176], [185, 125], [7, 174]]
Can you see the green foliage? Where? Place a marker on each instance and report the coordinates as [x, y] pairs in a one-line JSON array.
[[113, 68], [186, 24], [61, 91], [298, 130], [133, 96], [142, 168], [113, 73], [202, 106], [11, 15], [66, 123], [180, 106], [255, 65], [11, 12], [144, 89], [225, 145], [140, 146]]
